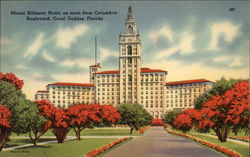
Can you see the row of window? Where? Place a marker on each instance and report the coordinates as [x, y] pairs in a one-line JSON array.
[[183, 96], [187, 85], [69, 88], [74, 93], [71, 97], [187, 90]]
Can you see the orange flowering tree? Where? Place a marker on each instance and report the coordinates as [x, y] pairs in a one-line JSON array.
[[82, 116], [157, 122], [58, 120], [4, 125], [221, 113], [15, 107], [183, 122]]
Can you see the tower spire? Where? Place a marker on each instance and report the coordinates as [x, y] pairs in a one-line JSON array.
[[95, 50], [130, 12]]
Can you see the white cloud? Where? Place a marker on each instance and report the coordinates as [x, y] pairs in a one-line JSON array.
[[48, 57], [106, 53], [167, 52], [177, 71], [185, 46], [77, 77], [35, 46], [165, 31], [67, 36], [225, 30], [37, 75], [82, 62], [32, 85], [21, 66], [237, 62], [231, 61], [221, 59]]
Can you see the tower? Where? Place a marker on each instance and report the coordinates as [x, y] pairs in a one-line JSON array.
[[130, 61], [93, 69]]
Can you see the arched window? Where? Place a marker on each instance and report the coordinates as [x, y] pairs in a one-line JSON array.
[[130, 29], [129, 50]]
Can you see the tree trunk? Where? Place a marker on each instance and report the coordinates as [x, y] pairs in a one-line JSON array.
[[131, 130], [222, 133], [35, 142], [60, 134], [4, 135], [78, 134]]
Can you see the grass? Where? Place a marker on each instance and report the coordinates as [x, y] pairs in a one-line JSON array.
[[21, 141], [95, 132], [237, 147], [70, 148]]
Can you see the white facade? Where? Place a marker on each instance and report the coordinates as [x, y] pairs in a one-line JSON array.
[[182, 94], [63, 94], [131, 83], [42, 94]]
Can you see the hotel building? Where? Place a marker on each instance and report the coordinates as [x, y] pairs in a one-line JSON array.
[[130, 84]]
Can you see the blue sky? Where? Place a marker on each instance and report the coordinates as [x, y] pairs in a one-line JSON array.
[[188, 39]]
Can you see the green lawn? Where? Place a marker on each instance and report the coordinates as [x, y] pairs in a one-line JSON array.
[[21, 141], [95, 132], [71, 148], [237, 147]]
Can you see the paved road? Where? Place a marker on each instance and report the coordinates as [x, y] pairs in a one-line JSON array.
[[156, 142]]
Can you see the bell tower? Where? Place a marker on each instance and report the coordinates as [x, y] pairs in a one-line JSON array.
[[130, 61]]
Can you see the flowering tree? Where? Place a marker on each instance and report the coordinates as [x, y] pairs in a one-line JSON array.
[[11, 78], [4, 125], [109, 114], [223, 112], [12, 98], [220, 113], [183, 122], [157, 122], [170, 116], [82, 116], [57, 120]]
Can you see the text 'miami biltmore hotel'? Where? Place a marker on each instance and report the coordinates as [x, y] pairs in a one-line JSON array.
[[130, 84]]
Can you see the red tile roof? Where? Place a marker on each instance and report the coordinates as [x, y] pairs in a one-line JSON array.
[[109, 72], [187, 81], [42, 91], [146, 70], [143, 70], [95, 65], [72, 84]]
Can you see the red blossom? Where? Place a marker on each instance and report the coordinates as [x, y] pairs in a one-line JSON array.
[[4, 117], [11, 78], [157, 122], [183, 122], [98, 151]]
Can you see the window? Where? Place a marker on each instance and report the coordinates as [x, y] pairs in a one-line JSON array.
[[130, 29], [129, 50], [129, 77], [129, 60]]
